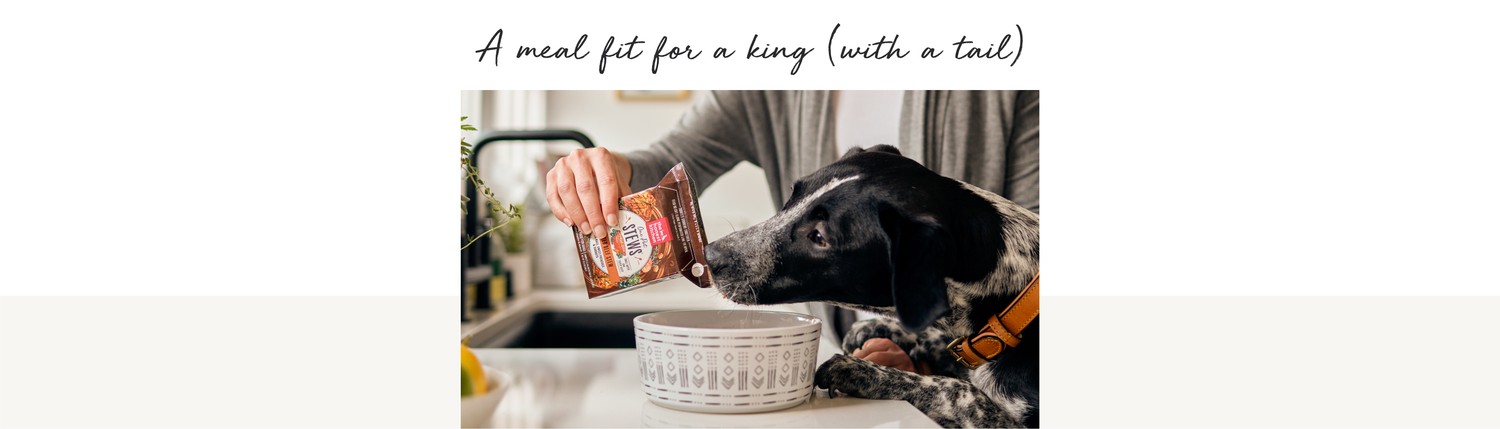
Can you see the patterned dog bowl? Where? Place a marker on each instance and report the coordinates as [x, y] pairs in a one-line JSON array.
[[727, 361]]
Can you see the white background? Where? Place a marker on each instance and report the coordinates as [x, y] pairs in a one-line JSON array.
[[1199, 149]]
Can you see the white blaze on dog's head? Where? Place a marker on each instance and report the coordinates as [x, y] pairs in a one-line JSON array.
[[799, 210]]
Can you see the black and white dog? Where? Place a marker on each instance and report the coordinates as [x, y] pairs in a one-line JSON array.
[[878, 232]]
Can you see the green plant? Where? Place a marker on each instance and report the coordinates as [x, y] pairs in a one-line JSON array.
[[511, 237], [496, 210]]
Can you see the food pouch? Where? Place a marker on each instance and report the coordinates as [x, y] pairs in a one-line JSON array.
[[659, 237]]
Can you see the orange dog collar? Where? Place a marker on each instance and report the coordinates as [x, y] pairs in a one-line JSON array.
[[1002, 331]]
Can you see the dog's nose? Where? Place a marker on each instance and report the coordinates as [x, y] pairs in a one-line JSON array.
[[712, 253]]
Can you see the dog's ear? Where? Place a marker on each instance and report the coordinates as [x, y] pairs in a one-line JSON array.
[[920, 253], [885, 148], [876, 148]]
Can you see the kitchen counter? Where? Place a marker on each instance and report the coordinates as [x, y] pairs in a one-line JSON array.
[[601, 388]]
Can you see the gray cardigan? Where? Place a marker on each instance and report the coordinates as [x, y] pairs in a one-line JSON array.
[[989, 139]]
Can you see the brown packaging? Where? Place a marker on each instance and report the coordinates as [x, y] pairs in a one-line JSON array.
[[659, 237]]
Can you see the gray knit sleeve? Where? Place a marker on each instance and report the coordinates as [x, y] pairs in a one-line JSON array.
[[709, 140], [1023, 179]]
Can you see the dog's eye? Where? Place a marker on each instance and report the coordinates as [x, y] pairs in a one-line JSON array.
[[817, 238]]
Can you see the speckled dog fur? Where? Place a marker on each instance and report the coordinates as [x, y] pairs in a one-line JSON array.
[[880, 233]]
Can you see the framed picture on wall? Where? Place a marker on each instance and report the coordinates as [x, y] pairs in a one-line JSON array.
[[651, 95]]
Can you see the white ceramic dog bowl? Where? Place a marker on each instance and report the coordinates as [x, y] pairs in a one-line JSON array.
[[477, 410], [727, 361]]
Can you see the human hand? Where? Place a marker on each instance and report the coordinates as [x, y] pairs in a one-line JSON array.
[[886, 353], [584, 189]]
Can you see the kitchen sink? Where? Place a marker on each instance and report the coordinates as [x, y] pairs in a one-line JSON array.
[[574, 330]]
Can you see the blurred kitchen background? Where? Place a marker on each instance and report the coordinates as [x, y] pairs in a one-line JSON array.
[[524, 288]]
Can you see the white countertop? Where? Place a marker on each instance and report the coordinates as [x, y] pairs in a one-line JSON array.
[[601, 388]]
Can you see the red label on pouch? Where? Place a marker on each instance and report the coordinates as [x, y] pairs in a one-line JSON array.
[[659, 231]]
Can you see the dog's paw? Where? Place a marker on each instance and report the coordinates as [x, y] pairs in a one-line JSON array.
[[857, 377], [880, 327]]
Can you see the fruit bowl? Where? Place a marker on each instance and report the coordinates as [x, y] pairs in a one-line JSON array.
[[477, 409]]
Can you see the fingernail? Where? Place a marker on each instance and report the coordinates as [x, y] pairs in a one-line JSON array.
[[568, 222], [584, 227], [614, 221], [599, 230]]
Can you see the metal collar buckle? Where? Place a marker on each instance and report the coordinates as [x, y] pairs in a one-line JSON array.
[[954, 349]]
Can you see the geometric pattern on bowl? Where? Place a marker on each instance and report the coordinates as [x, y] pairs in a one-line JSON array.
[[729, 370]]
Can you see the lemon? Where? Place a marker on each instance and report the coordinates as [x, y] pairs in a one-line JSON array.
[[473, 374]]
